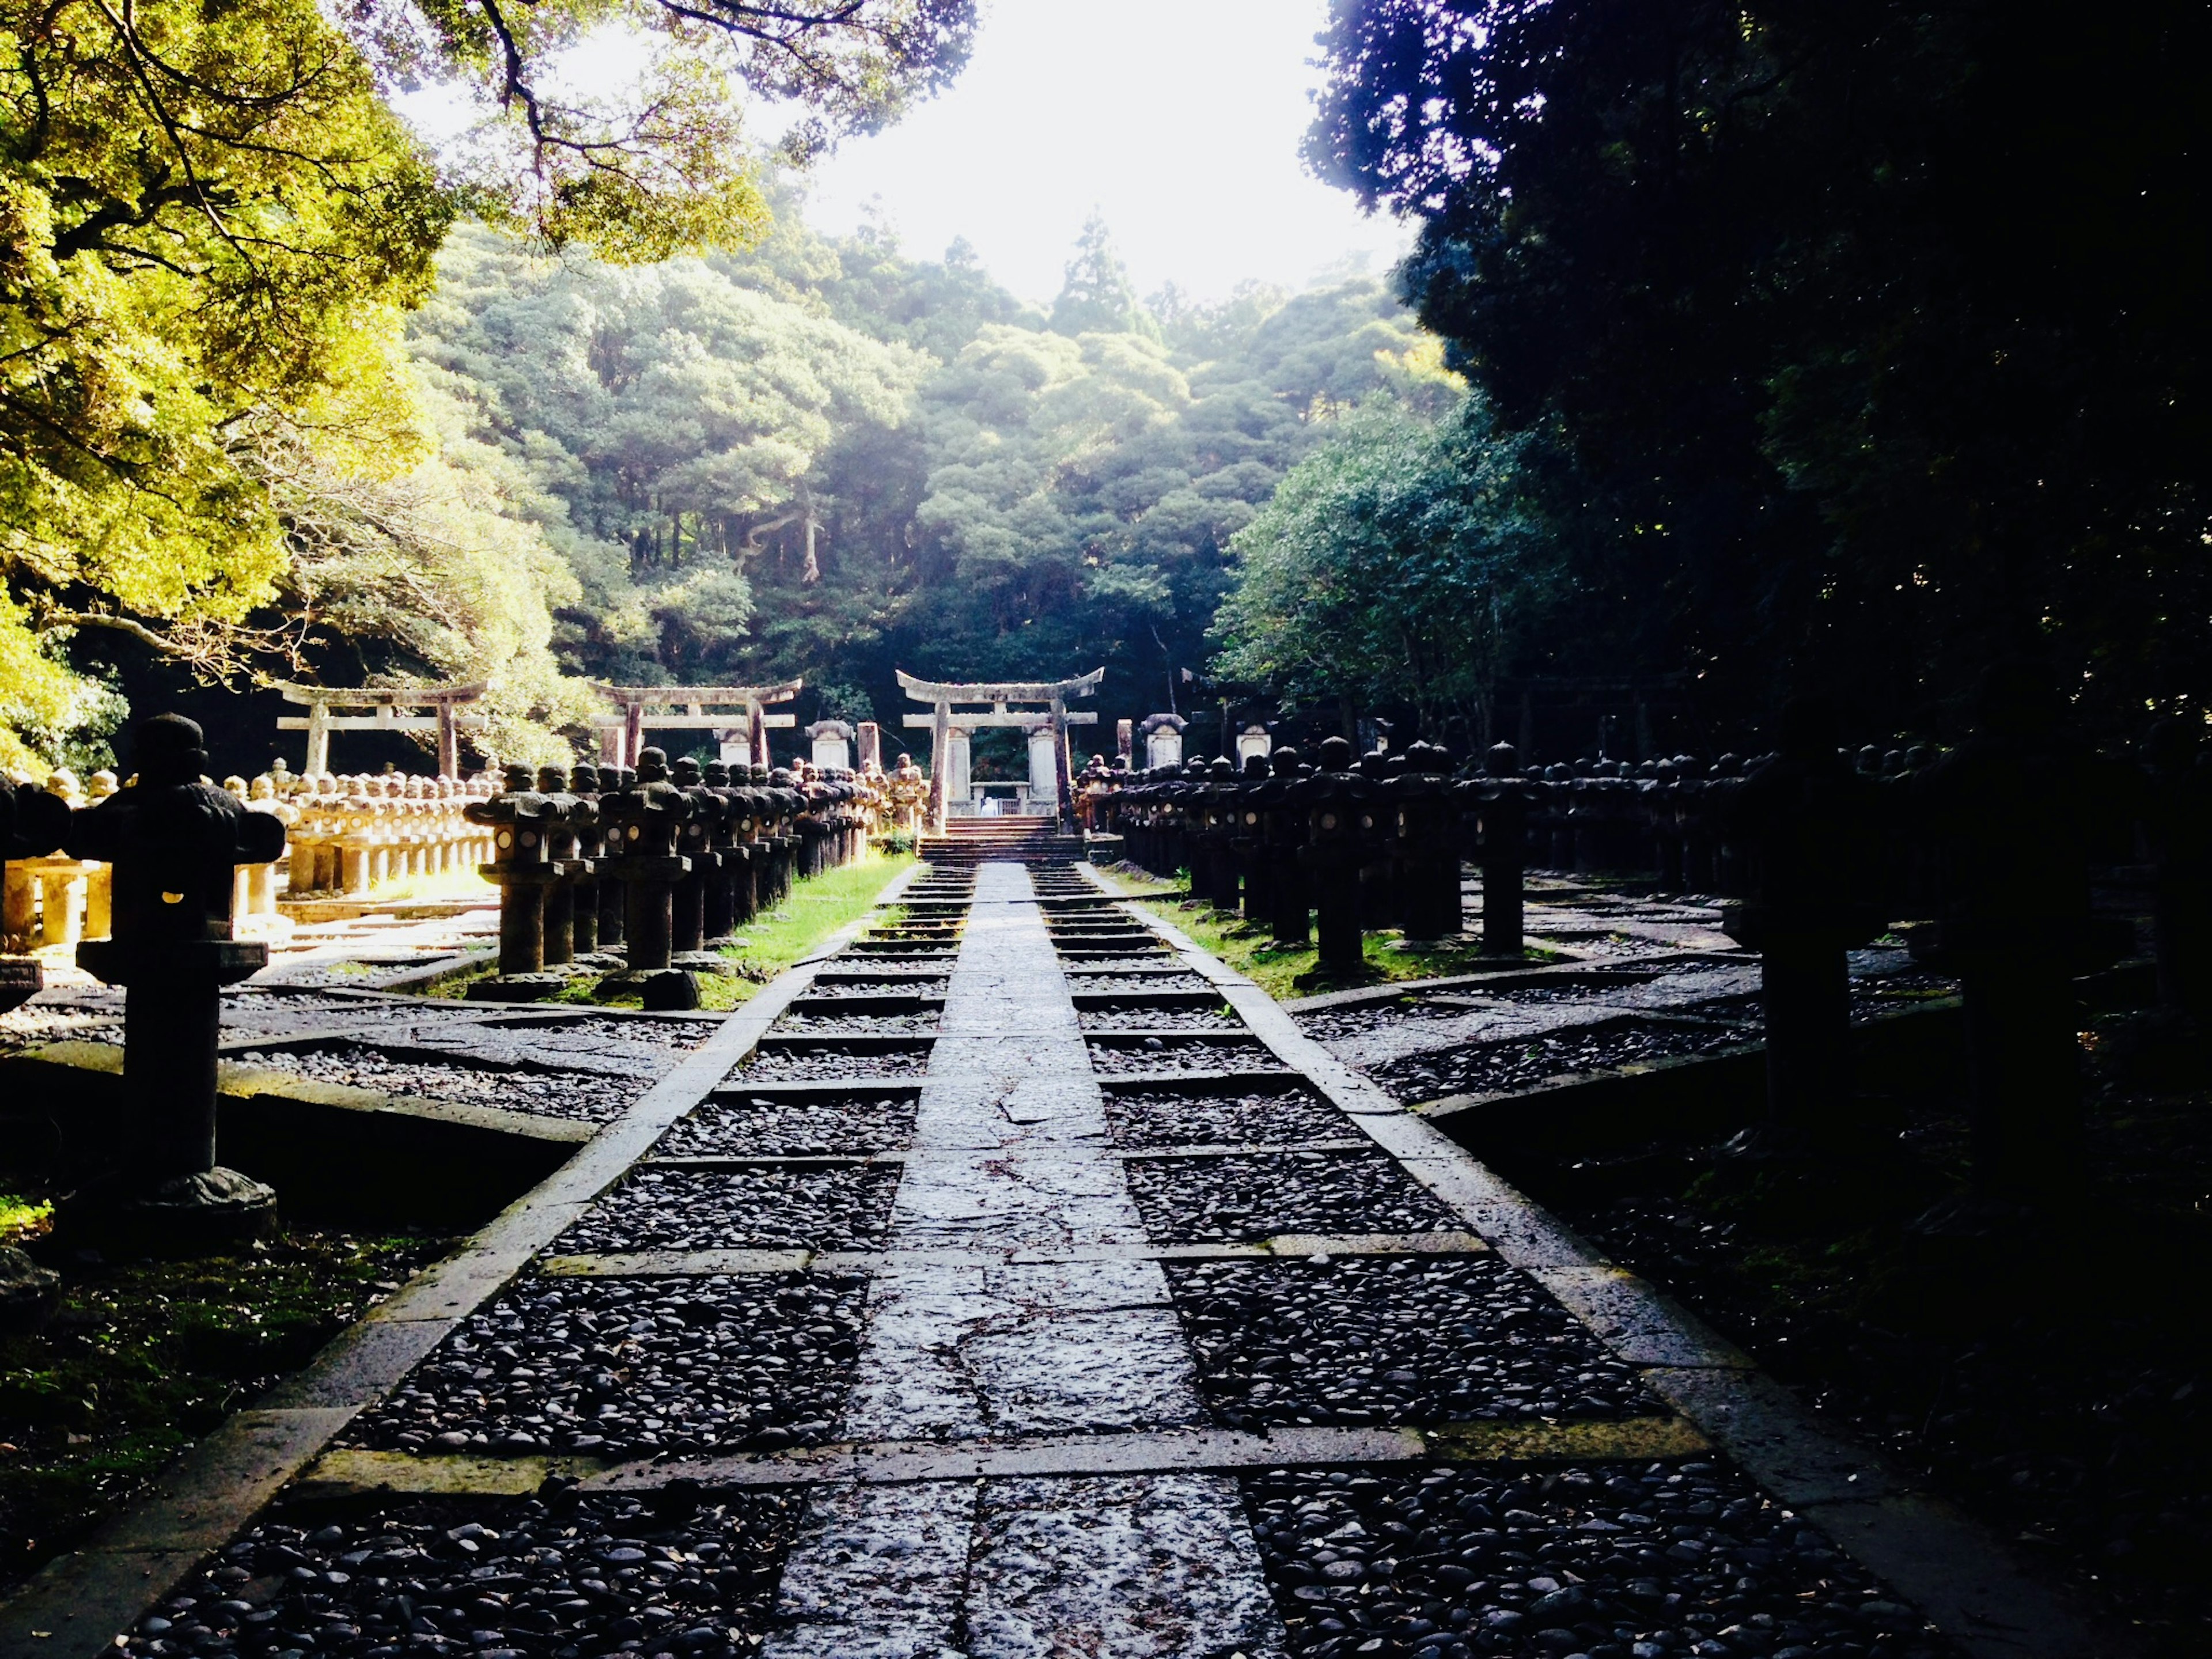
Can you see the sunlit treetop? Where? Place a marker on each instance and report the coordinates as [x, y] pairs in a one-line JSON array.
[[658, 167]]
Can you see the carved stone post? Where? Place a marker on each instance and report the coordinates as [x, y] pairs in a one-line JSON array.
[[584, 910], [1502, 805], [174, 843], [644, 823], [1284, 821], [1334, 799], [521, 821], [1802, 820]]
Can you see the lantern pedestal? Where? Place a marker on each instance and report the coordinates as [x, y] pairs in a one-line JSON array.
[[170, 1197]]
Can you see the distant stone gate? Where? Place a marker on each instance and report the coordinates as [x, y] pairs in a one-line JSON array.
[[1050, 772]]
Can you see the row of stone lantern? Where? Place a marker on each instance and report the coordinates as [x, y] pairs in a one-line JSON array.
[[1817, 848], [663, 864]]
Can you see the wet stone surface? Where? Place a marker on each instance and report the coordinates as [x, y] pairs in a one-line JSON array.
[[844, 1208], [1391, 1340], [622, 1368], [1495, 1068], [1171, 1054], [538, 1578], [1658, 1563], [1136, 1116], [1200, 1201], [806, 1063], [577, 1097], [787, 1126], [1158, 1019]]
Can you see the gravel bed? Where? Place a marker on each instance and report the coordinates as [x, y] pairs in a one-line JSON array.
[[633, 1367], [828, 1063], [265, 1013], [604, 1047], [1164, 1054], [1446, 1562], [1157, 1019], [1609, 948], [1205, 1201], [34, 1024], [1494, 1067], [1169, 1118], [1088, 982], [367, 974], [1391, 1340], [1081, 969], [579, 1576], [1748, 1009], [1333, 1025], [791, 1127], [902, 985], [678, 1035], [839, 1208], [798, 1025], [573, 1095], [1892, 992]]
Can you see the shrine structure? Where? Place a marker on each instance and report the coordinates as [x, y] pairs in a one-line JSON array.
[[380, 708], [949, 725], [741, 735]]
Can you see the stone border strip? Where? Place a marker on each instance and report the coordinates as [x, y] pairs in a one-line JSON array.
[[1507, 975], [708, 1264], [350, 1471], [1936, 1556], [75, 1606], [238, 1082]]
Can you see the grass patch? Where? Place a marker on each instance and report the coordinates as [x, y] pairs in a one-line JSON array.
[[22, 1218], [1287, 971], [777, 939], [141, 1359]]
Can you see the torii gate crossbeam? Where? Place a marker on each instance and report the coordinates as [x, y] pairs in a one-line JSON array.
[[626, 730]]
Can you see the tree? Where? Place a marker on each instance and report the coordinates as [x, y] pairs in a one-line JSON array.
[[1396, 564], [1097, 296], [1872, 337], [207, 218]]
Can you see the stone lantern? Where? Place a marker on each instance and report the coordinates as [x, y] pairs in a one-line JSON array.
[[174, 842], [644, 826], [521, 821]]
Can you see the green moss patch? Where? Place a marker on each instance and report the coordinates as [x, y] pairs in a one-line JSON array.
[[141, 1359]]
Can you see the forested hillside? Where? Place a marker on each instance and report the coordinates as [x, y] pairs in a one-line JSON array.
[[829, 459]]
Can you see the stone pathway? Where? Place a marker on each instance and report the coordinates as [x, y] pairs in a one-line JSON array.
[[1038, 1323]]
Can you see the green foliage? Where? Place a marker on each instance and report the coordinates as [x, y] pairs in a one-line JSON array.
[[825, 458], [207, 220], [1097, 297], [210, 224], [1394, 565], [1871, 337]]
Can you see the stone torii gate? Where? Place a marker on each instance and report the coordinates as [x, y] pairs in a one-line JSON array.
[[944, 722], [621, 735], [381, 708]]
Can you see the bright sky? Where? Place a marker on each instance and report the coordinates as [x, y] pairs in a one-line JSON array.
[[1179, 119]]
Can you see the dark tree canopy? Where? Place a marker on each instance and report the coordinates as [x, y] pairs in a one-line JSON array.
[[1866, 340]]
